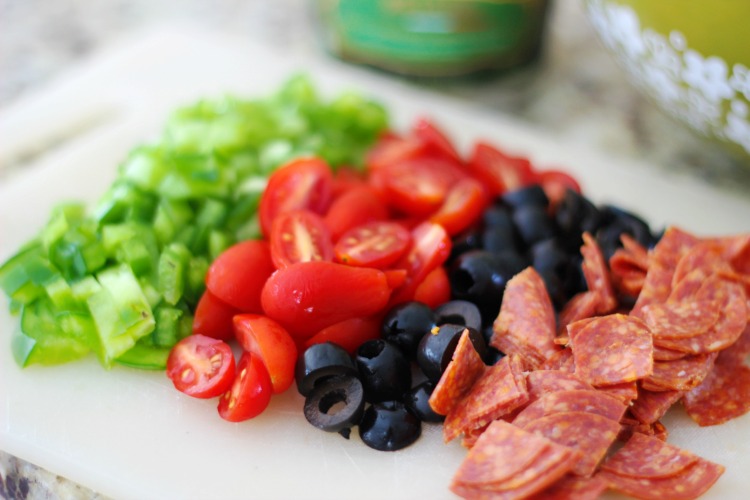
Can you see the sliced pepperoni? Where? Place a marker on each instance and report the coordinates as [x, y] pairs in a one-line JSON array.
[[625, 392], [558, 360], [706, 255], [725, 332], [648, 457], [680, 374], [723, 395], [590, 401], [613, 349], [596, 273], [664, 354], [526, 323], [588, 433], [691, 482], [632, 426], [650, 406], [582, 306], [496, 393], [572, 487], [628, 267], [678, 320], [542, 382], [464, 369], [737, 353]]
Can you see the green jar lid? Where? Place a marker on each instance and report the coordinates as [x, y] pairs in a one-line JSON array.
[[434, 37]]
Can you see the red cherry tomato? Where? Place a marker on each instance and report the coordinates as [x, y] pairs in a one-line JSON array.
[[430, 248], [305, 183], [349, 334], [437, 142], [250, 392], [346, 179], [435, 289], [418, 186], [392, 148], [463, 206], [498, 171], [376, 244], [213, 317], [200, 366], [309, 296], [265, 338], [395, 277], [357, 206], [237, 276], [299, 236], [555, 183]]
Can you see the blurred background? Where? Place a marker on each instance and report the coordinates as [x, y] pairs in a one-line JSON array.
[[574, 89]]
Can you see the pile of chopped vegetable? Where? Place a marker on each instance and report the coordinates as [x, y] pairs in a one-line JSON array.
[[122, 280]]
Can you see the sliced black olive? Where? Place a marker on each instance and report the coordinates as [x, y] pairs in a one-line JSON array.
[[471, 239], [436, 349], [319, 362], [532, 195], [574, 215], [388, 426], [336, 404], [534, 224], [417, 402], [384, 370], [552, 263], [499, 233], [480, 277], [459, 312], [618, 221], [405, 324]]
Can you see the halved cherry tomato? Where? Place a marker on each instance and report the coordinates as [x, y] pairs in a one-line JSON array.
[[309, 296], [265, 338], [555, 183], [430, 248], [376, 244], [358, 205], [250, 392], [201, 366], [299, 236], [463, 205], [349, 334], [395, 277], [417, 186], [392, 148], [238, 274], [305, 183], [498, 171], [435, 289], [345, 179], [213, 317], [437, 142]]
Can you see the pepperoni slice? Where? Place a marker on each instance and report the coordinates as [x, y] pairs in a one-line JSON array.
[[679, 320], [632, 426], [628, 266], [526, 323], [650, 406], [464, 369], [664, 354], [596, 273], [542, 382], [706, 255], [625, 392], [723, 395], [691, 482], [648, 457], [499, 390], [596, 402], [613, 349], [558, 360], [680, 374], [737, 353], [574, 487], [588, 433], [582, 306]]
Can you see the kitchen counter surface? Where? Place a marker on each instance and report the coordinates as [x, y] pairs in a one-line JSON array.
[[575, 92]]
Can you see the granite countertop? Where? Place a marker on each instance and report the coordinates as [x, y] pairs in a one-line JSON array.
[[575, 91]]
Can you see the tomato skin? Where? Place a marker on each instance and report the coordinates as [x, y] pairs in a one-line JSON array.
[[265, 338], [376, 244], [359, 205], [305, 183], [345, 179], [213, 317], [555, 183], [237, 276], [463, 206], [200, 366], [299, 236], [349, 334], [435, 140], [250, 392], [498, 171], [309, 296], [392, 148], [430, 248], [435, 289]]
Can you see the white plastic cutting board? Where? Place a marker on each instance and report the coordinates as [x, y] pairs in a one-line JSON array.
[[128, 433]]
